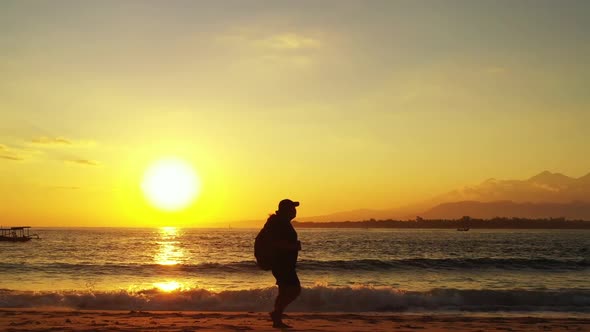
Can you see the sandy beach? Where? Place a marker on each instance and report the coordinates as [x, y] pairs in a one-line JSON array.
[[90, 320]]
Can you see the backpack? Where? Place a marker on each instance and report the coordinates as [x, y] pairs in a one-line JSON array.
[[263, 250]]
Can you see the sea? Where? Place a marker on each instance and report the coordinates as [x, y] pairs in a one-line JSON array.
[[532, 272]]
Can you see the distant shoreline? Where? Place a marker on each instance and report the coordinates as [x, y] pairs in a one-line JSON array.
[[465, 223]]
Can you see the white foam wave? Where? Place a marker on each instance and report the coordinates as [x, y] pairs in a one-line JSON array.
[[317, 299]]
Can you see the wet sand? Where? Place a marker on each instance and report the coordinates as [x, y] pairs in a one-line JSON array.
[[95, 320]]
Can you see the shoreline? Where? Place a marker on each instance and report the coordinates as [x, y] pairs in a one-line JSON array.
[[61, 319]]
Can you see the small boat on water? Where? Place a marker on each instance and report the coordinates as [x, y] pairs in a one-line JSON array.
[[463, 229], [17, 234]]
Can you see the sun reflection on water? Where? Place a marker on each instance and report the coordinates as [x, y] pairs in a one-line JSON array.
[[169, 253], [170, 231]]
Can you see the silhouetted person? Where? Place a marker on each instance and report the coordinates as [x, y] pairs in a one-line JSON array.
[[283, 239]]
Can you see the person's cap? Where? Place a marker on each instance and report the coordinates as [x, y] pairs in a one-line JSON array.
[[287, 204]]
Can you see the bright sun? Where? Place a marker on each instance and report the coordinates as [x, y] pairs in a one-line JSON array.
[[170, 184]]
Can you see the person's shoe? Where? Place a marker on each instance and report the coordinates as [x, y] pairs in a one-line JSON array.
[[277, 321], [284, 315], [280, 325]]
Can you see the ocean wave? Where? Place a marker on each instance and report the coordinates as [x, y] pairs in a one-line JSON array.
[[451, 264], [316, 299], [314, 265]]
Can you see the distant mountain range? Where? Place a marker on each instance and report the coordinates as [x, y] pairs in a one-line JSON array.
[[543, 187], [486, 210], [544, 195]]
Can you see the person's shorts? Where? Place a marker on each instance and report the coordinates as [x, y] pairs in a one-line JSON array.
[[286, 277]]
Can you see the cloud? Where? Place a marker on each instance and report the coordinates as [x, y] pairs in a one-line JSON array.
[[10, 157], [263, 47], [65, 187], [8, 154], [257, 40], [85, 162], [29, 153], [289, 41], [60, 142], [51, 140]]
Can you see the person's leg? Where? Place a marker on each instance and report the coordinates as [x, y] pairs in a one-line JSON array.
[[289, 290], [287, 294]]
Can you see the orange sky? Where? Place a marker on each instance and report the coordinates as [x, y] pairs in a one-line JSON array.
[[341, 105]]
